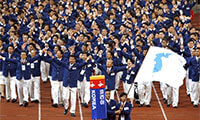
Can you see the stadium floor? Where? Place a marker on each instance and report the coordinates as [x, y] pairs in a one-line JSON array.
[[44, 111], [196, 21]]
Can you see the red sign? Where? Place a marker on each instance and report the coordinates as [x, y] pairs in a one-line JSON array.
[[97, 82]]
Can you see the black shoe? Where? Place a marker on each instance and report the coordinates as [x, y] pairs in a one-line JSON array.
[[61, 105], [188, 95], [48, 79], [8, 100], [3, 97], [73, 115], [85, 105], [55, 105], [137, 102], [20, 105], [44, 81], [141, 105], [25, 104], [168, 105], [65, 111], [195, 106], [165, 101], [14, 100], [192, 102], [82, 104], [147, 105], [175, 106], [52, 100], [36, 101]]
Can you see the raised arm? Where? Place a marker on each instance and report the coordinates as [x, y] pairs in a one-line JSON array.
[[37, 57], [121, 68]]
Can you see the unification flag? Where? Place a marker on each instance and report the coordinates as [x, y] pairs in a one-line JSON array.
[[162, 65], [98, 99]]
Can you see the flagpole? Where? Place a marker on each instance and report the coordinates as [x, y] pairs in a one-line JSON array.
[[132, 84], [136, 75]]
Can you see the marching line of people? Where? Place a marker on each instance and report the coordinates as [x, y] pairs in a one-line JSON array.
[[69, 74], [65, 42]]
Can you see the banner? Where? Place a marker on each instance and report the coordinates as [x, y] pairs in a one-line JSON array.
[[162, 65], [97, 94]]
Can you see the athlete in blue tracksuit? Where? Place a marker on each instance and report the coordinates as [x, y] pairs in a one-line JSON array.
[[195, 76]]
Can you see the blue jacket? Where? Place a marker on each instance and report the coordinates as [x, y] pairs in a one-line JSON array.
[[111, 108], [86, 70], [9, 67], [57, 71], [71, 74], [1, 65], [189, 66], [126, 111], [186, 8], [129, 75], [23, 70], [195, 69], [35, 65], [110, 78], [186, 53], [156, 42], [103, 60]]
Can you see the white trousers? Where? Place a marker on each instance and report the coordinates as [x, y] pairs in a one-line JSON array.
[[199, 92], [163, 88], [51, 86], [23, 87], [26, 87], [85, 91], [60, 92], [57, 91], [35, 88], [2, 79], [45, 67], [112, 94], [117, 79], [20, 91], [144, 90], [126, 87], [195, 92], [188, 83], [67, 91], [10, 87], [173, 96]]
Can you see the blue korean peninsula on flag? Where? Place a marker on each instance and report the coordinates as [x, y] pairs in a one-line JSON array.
[[162, 65]]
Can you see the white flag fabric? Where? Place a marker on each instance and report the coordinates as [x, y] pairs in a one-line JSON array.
[[162, 65]]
